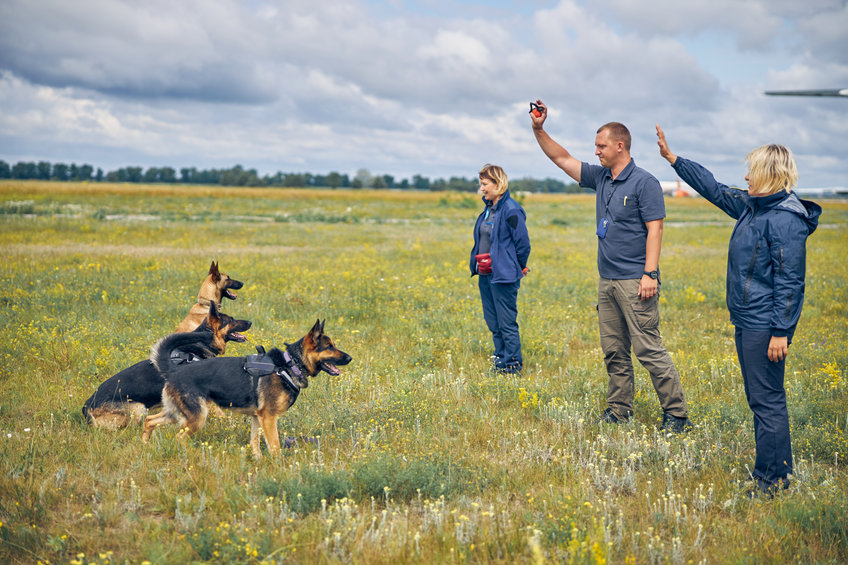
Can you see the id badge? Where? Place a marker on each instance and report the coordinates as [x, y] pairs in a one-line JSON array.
[[602, 227]]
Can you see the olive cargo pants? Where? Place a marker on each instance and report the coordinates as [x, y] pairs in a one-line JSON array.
[[626, 321]]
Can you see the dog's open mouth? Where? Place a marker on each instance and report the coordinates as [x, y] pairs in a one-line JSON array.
[[330, 368], [230, 295], [235, 336]]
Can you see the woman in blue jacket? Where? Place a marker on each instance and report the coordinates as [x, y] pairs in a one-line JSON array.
[[499, 257], [765, 287]]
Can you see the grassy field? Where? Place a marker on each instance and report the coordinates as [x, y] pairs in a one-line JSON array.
[[418, 453]]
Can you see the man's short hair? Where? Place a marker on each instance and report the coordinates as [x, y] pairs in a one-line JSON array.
[[617, 132]]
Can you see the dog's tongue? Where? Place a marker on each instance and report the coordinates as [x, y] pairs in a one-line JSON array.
[[231, 295], [332, 369]]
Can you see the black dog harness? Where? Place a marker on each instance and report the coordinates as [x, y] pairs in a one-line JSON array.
[[179, 357], [260, 364]]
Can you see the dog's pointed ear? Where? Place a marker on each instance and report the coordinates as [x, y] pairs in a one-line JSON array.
[[322, 325], [213, 270], [316, 331]]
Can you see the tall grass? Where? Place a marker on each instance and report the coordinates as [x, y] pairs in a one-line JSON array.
[[417, 453]]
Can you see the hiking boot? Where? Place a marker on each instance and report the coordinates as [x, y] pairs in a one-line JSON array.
[[609, 417], [674, 424]]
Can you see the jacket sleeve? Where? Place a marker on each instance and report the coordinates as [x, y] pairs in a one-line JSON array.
[[788, 249], [518, 231], [731, 200]]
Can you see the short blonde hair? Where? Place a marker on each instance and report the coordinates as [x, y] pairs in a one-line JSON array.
[[497, 176], [617, 132], [771, 168]]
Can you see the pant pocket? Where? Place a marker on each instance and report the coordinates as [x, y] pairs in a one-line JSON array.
[[647, 313]]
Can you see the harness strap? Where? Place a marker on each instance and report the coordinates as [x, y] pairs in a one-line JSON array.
[[178, 357], [260, 364]]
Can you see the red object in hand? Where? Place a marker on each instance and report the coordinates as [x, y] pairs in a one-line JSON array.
[[525, 270], [484, 263], [535, 110]]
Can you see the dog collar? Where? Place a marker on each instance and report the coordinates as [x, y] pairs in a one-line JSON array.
[[206, 302], [296, 372]]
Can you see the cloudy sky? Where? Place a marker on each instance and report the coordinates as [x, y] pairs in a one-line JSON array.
[[404, 87]]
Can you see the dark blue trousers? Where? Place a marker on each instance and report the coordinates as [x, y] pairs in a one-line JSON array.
[[500, 310], [767, 399]]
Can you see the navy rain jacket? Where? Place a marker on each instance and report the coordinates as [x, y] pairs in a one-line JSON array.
[[766, 261], [510, 241]]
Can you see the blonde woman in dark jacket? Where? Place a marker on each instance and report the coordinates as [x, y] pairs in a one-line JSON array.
[[499, 258], [766, 265]]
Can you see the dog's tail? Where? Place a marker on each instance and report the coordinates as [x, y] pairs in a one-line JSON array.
[[197, 343]]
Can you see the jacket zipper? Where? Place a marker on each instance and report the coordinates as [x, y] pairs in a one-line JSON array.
[[750, 273]]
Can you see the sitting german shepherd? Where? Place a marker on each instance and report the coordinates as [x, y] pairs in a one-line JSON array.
[[263, 385], [215, 286], [128, 395]]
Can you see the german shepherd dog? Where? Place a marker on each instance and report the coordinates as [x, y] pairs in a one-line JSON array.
[[215, 286], [128, 395], [262, 386]]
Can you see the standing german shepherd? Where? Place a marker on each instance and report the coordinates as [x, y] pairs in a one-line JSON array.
[[128, 395], [262, 386], [215, 286]]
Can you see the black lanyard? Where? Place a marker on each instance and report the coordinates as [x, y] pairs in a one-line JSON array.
[[606, 206]]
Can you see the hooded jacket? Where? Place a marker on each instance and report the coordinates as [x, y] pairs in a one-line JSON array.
[[510, 241], [766, 260]]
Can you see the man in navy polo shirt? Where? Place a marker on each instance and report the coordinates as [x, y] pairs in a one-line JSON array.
[[629, 210]]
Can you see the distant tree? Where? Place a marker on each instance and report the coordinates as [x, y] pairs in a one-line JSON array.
[[420, 183], [525, 184], [61, 172], [296, 179], [378, 182], [167, 174], [23, 171], [461, 183], [364, 177], [404, 184], [5, 170], [44, 170], [151, 175], [438, 184], [389, 180], [84, 173], [133, 174], [99, 176], [356, 183], [186, 174], [334, 179]]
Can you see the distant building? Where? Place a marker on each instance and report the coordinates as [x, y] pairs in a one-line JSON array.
[[677, 188]]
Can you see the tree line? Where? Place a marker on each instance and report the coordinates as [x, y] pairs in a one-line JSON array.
[[239, 176]]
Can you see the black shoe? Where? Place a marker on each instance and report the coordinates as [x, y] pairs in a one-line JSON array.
[[674, 424], [763, 489], [508, 368], [609, 417]]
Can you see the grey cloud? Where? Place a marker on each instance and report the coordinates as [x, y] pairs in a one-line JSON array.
[[137, 49]]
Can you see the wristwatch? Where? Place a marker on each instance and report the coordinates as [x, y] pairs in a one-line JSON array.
[[652, 274]]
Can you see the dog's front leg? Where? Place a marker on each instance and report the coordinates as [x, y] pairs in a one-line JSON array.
[[254, 436], [152, 422], [272, 435]]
